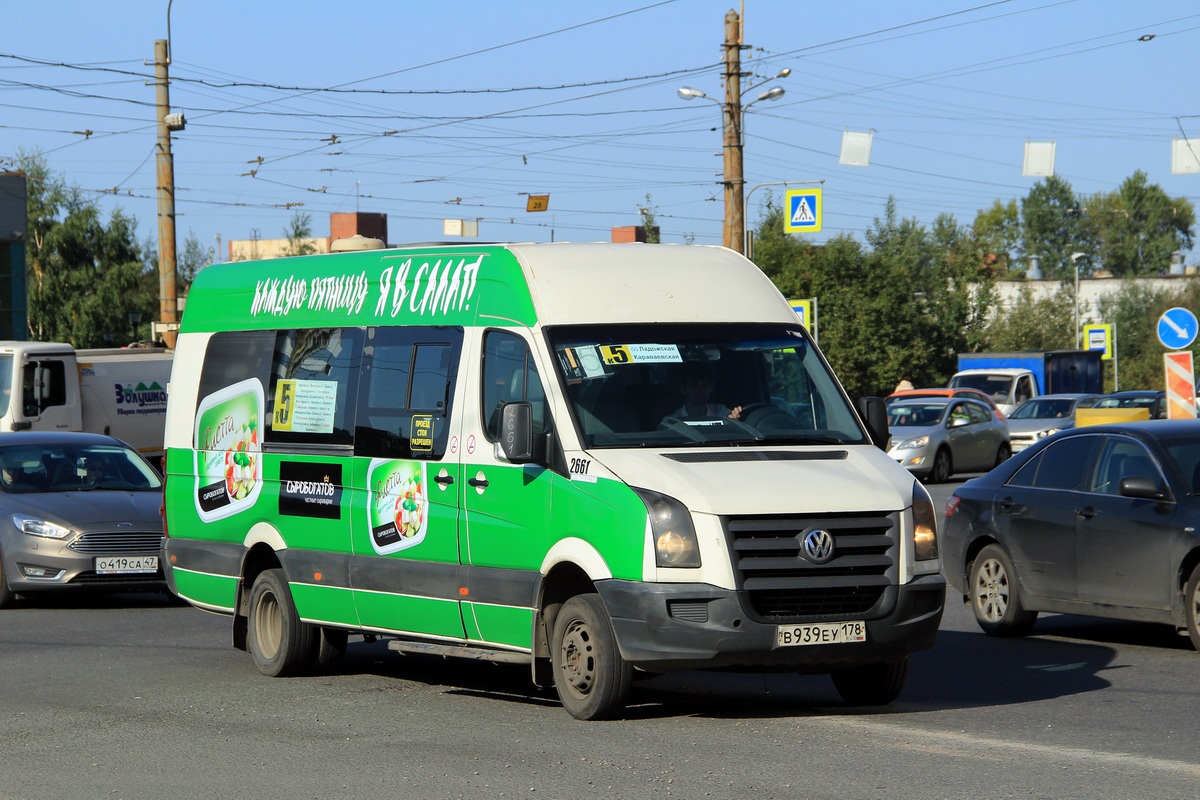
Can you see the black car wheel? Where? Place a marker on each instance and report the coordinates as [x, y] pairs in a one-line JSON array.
[[940, 473], [6, 594], [873, 684], [1004, 453], [1191, 598], [993, 595]]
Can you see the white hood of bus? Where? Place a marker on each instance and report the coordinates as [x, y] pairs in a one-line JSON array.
[[865, 480]]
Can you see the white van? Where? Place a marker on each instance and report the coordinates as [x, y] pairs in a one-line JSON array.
[[489, 451]]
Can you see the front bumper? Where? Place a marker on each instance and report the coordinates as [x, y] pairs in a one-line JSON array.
[[664, 627], [34, 564]]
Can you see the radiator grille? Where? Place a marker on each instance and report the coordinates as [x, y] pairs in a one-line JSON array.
[[118, 543], [779, 583]]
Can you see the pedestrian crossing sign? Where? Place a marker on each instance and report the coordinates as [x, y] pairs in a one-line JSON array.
[[803, 211]]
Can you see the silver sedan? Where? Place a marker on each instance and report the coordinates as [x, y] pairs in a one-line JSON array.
[[934, 438]]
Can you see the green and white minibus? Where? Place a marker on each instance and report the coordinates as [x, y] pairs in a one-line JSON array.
[[491, 451]]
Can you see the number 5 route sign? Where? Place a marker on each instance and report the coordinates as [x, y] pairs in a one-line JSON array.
[[803, 211]]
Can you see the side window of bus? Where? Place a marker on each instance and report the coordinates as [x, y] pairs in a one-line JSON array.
[[407, 391], [509, 375], [234, 356], [314, 386]]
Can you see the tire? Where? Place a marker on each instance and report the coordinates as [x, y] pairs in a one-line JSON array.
[[330, 649], [873, 684], [279, 642], [942, 468], [992, 592], [1191, 606], [1003, 453], [590, 675], [7, 595]]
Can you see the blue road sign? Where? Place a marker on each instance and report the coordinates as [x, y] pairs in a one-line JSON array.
[[803, 211], [1177, 328]]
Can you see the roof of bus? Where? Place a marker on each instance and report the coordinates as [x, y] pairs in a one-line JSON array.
[[512, 284]]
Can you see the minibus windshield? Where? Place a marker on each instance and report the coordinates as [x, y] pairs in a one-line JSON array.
[[678, 385]]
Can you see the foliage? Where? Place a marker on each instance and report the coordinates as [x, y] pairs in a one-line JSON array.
[[1135, 309], [1139, 226], [1053, 227], [298, 232], [649, 224], [85, 275]]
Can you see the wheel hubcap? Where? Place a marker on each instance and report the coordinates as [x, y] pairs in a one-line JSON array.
[[578, 659], [991, 590], [268, 625]]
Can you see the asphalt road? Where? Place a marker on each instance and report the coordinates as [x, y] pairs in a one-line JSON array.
[[130, 696]]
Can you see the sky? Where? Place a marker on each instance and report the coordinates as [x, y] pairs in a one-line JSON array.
[[461, 109]]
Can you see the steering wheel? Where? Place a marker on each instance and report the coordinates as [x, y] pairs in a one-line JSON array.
[[752, 408]]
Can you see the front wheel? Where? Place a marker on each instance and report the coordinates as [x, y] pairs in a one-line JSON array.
[[590, 675], [1191, 609], [6, 594], [279, 642], [872, 684], [940, 473], [994, 597]]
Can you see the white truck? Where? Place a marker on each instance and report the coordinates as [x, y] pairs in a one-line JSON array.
[[51, 386]]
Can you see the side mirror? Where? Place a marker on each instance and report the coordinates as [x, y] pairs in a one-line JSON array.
[[874, 413], [1141, 486], [516, 433]]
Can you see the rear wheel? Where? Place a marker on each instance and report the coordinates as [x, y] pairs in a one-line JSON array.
[[591, 676], [872, 684], [1191, 609], [994, 597], [280, 643], [1004, 453]]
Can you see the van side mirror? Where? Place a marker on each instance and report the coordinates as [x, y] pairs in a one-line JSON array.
[[516, 433], [874, 413]]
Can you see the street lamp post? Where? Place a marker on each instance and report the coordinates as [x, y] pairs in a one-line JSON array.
[[1075, 261], [733, 112]]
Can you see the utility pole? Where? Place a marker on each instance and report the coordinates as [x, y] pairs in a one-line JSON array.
[[165, 164], [735, 219]]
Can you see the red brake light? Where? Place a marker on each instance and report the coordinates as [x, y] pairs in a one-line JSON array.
[[952, 505]]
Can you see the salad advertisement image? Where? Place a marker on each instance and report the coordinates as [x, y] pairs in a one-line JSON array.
[[229, 450], [397, 509]]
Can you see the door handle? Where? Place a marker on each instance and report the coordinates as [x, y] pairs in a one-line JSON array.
[[1007, 503], [444, 480], [1087, 512], [479, 481]]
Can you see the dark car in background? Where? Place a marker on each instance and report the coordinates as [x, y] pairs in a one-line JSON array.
[[1043, 416], [1155, 402], [77, 511], [1101, 521]]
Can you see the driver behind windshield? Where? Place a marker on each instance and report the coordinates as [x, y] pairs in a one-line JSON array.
[[696, 387]]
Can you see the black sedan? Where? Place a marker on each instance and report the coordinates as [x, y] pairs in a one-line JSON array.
[[77, 511], [1102, 521]]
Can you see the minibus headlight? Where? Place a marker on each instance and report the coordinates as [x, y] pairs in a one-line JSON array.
[[925, 547], [675, 543]]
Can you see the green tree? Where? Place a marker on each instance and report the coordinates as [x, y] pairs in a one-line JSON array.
[[1053, 227], [194, 258], [85, 274], [784, 258], [1029, 323], [298, 233], [1135, 310], [998, 233], [649, 225], [1139, 226]]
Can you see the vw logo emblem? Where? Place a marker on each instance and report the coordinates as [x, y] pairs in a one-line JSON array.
[[818, 546]]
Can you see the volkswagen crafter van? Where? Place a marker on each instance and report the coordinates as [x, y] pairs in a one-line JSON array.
[[486, 451]]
